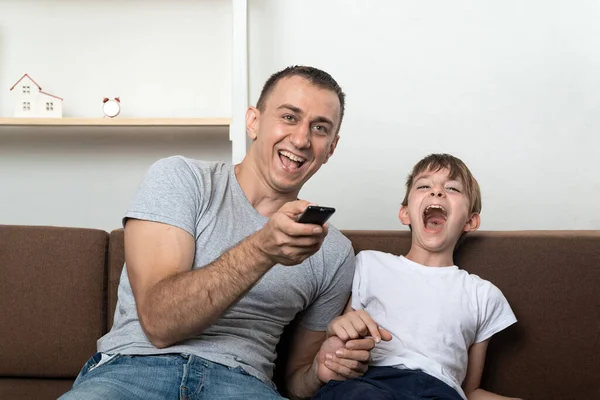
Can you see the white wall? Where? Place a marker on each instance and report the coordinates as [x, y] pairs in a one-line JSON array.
[[86, 180], [511, 87], [164, 59]]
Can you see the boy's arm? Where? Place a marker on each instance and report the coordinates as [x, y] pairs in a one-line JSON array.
[[351, 330], [474, 371], [356, 324]]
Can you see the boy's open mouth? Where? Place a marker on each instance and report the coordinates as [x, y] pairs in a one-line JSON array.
[[434, 218], [290, 161]]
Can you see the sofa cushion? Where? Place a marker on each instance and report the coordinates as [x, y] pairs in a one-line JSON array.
[[116, 261], [551, 280], [38, 389], [52, 284]]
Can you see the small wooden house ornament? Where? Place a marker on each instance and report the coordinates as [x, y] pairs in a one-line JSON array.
[[32, 102]]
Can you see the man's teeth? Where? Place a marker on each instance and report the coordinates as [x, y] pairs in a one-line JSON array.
[[292, 157]]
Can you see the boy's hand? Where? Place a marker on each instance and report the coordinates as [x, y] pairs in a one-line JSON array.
[[335, 362], [357, 324]]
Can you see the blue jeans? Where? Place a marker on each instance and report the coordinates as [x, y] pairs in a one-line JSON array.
[[388, 383], [170, 376]]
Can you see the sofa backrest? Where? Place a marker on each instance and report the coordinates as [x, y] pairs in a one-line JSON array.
[[550, 279], [116, 261], [58, 290], [52, 299]]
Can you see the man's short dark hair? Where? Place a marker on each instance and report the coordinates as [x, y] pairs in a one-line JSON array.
[[315, 76]]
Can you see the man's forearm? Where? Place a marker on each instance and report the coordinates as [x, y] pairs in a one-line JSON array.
[[185, 304], [304, 383]]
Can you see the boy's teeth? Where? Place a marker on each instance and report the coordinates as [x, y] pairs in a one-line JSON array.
[[435, 207]]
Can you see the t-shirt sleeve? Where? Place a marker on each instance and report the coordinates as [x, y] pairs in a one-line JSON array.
[[333, 298], [169, 193], [495, 313], [358, 283]]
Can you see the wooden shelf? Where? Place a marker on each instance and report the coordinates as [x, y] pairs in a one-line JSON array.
[[58, 122]]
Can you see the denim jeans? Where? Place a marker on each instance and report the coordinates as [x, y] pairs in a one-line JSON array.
[[388, 383], [170, 376]]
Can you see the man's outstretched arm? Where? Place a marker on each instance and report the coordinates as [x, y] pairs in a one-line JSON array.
[[175, 302]]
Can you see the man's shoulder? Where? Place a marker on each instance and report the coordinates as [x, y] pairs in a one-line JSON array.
[[336, 250], [181, 162], [336, 240]]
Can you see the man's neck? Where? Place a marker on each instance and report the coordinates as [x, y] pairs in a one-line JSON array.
[[430, 259], [262, 197]]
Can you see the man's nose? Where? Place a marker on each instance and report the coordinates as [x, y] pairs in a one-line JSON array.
[[300, 137]]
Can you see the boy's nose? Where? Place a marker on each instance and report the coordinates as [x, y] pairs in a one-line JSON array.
[[438, 193]]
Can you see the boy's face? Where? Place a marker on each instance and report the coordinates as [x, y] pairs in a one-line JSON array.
[[438, 211]]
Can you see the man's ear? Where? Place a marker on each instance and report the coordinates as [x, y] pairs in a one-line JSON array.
[[332, 148], [403, 215], [472, 223], [252, 122]]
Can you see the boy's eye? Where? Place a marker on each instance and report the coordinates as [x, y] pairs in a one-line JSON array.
[[423, 187], [454, 189]]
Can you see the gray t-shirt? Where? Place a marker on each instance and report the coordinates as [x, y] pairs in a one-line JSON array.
[[205, 200]]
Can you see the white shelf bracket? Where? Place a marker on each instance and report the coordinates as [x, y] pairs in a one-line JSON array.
[[239, 82]]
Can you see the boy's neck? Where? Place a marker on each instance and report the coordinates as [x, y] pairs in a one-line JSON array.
[[430, 259]]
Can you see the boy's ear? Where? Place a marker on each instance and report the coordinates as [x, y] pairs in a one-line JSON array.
[[403, 215], [472, 223], [252, 122]]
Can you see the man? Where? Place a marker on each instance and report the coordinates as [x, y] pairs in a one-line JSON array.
[[217, 266]]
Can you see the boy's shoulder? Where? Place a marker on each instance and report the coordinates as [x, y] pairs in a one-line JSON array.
[[482, 285], [376, 255]]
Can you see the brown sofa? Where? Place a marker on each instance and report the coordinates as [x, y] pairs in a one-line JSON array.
[[58, 294]]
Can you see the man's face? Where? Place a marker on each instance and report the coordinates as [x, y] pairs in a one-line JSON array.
[[295, 134], [438, 211]]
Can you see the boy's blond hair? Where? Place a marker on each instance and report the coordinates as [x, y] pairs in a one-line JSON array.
[[457, 170]]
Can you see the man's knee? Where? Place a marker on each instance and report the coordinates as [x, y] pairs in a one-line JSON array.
[[91, 390]]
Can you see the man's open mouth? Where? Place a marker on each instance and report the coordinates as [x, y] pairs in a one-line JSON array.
[[434, 217], [290, 161]]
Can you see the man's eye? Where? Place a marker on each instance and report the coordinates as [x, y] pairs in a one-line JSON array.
[[321, 128], [290, 118]]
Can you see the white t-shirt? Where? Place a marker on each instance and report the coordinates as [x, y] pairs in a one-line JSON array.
[[434, 313]]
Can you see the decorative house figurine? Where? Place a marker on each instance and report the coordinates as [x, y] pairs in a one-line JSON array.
[[111, 107], [32, 102]]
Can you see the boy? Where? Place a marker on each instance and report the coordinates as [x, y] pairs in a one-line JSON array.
[[435, 319]]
